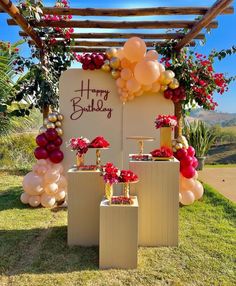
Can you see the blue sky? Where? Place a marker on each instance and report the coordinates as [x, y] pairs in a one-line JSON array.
[[220, 38]]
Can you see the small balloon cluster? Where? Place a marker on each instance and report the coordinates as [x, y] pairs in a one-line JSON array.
[[46, 184], [92, 61], [190, 188], [54, 120], [176, 95]]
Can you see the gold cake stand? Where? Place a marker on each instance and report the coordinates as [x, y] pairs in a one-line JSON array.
[[140, 140]]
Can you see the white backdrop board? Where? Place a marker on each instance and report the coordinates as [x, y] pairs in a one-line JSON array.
[[91, 107]]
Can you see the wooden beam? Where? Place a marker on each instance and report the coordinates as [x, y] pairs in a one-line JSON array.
[[117, 25], [14, 12], [215, 10], [131, 12], [166, 36]]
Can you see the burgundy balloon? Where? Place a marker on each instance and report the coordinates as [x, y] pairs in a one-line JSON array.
[[191, 151], [41, 140], [51, 146], [58, 141], [56, 156], [188, 172], [40, 153], [51, 134]]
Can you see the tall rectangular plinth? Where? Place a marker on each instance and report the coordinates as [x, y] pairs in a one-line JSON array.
[[158, 195], [118, 243], [85, 192]]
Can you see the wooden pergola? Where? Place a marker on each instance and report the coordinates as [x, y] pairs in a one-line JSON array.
[[203, 17]]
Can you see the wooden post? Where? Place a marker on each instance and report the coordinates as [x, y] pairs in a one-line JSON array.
[[46, 108], [178, 114]]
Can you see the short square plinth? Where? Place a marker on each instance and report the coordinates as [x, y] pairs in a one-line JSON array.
[[118, 243], [85, 192], [158, 196]]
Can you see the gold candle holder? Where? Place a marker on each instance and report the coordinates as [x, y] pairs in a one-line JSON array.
[[126, 190], [108, 191], [79, 160]]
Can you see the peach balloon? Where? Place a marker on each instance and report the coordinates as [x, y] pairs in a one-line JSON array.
[[138, 93], [147, 87], [42, 162], [120, 82], [51, 189], [131, 96], [152, 55], [198, 190], [32, 184], [34, 201], [180, 197], [51, 176], [47, 201], [124, 94], [60, 195], [161, 67], [62, 182], [146, 72], [187, 198], [58, 168], [135, 49], [125, 63], [156, 87], [196, 175], [24, 198], [123, 99], [120, 53], [126, 74], [186, 184], [132, 85]]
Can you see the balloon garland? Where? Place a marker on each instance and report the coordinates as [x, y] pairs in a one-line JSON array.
[[45, 184], [135, 69]]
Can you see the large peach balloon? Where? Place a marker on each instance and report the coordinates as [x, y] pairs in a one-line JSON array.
[[34, 201], [152, 55], [186, 184], [51, 176], [132, 85], [60, 195], [161, 67], [135, 49], [146, 72], [156, 87], [187, 198], [24, 198], [32, 184], [62, 182], [47, 201], [51, 189], [126, 74], [198, 190]]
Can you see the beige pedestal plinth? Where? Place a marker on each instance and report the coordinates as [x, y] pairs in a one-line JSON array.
[[158, 196], [85, 192], [118, 243]]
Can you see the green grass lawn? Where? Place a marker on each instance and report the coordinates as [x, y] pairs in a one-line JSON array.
[[34, 252]]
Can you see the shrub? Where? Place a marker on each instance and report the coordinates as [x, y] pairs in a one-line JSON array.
[[17, 151]]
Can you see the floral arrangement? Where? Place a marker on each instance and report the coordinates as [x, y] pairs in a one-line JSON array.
[[99, 142], [127, 176], [92, 61], [197, 78], [121, 200], [163, 152], [166, 121], [79, 144], [111, 173]]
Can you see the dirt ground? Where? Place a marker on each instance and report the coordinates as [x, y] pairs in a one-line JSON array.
[[222, 179]]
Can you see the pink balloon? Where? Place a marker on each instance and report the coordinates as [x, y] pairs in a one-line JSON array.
[[152, 55], [188, 172], [126, 74], [132, 85], [187, 198], [32, 184], [181, 153], [198, 190], [191, 151], [51, 176], [146, 72], [187, 161], [195, 162], [135, 49]]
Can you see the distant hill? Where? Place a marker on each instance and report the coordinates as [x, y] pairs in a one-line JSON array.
[[214, 117]]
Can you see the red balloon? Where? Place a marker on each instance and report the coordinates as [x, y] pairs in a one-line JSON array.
[[191, 151], [187, 161], [181, 153], [195, 162], [51, 134], [41, 140], [188, 172], [56, 156], [51, 146], [58, 141], [40, 153]]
